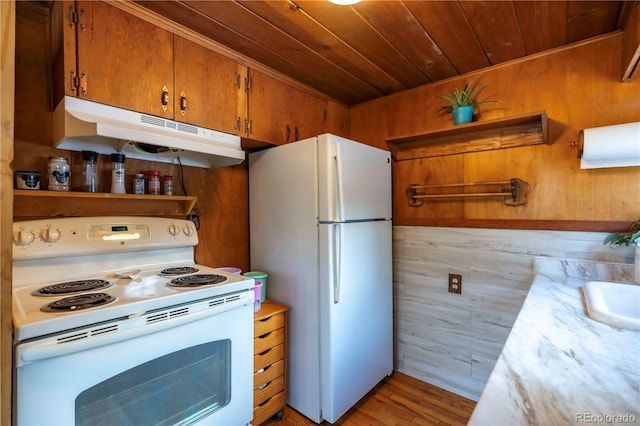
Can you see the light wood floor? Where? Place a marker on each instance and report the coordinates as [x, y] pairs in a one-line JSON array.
[[398, 400]]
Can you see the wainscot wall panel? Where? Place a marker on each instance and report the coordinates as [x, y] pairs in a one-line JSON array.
[[453, 340]]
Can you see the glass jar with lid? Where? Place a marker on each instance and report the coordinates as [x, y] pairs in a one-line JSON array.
[[168, 185], [58, 174], [154, 182], [90, 171], [138, 184], [117, 174]]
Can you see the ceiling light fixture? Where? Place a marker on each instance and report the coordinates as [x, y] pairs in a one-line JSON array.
[[344, 2]]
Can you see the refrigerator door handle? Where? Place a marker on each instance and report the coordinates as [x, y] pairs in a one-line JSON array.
[[337, 262], [339, 193]]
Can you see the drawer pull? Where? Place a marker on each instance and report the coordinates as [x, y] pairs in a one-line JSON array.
[[263, 369], [266, 319], [266, 351], [264, 403], [265, 335], [264, 386]]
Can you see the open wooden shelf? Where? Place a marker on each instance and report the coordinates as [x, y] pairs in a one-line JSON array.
[[33, 204], [511, 132]]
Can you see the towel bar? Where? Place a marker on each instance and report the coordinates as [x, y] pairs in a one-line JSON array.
[[514, 195]]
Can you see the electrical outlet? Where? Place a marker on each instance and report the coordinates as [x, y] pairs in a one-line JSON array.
[[455, 283]]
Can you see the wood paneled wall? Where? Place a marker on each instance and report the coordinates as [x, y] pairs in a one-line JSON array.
[[7, 72], [578, 86]]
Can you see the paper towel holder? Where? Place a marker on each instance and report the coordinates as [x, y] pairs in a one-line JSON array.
[[616, 145]]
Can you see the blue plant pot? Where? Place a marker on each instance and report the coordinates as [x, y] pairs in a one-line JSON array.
[[462, 115]]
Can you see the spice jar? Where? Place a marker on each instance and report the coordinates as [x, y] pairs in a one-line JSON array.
[[89, 171], [117, 174], [168, 185], [154, 182], [58, 174], [138, 184]]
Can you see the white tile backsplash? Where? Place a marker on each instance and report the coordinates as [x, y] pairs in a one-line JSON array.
[[453, 340]]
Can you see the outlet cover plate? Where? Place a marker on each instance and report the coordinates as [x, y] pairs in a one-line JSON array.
[[455, 283]]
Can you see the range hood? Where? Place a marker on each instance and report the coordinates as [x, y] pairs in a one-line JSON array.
[[81, 125]]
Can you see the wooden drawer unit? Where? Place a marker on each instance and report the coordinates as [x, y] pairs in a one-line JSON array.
[[269, 362]]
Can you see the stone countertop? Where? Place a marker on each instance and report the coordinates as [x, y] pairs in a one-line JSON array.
[[559, 366]]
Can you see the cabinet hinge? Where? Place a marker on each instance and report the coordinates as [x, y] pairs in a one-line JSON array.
[[236, 81], [80, 83], [74, 81], [247, 84], [76, 18], [73, 17], [248, 126]]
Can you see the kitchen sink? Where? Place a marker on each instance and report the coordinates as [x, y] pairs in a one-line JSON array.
[[615, 304]]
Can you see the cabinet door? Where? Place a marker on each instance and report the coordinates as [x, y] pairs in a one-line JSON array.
[[280, 113], [206, 87], [308, 115], [123, 60], [267, 106]]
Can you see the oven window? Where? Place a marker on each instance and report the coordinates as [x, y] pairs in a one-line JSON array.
[[179, 388]]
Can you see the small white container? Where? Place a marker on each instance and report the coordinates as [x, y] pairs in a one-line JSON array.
[[27, 180]]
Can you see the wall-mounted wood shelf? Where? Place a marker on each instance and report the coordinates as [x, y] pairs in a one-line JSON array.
[[35, 204], [522, 130]]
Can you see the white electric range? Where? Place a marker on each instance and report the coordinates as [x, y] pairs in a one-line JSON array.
[[127, 292]]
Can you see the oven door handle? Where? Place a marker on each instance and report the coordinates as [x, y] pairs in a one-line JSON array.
[[49, 348]]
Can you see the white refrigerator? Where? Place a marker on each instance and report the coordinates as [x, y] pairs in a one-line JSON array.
[[320, 226]]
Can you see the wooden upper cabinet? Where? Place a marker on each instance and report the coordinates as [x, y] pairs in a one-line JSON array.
[[106, 55], [279, 113], [123, 60], [206, 87]]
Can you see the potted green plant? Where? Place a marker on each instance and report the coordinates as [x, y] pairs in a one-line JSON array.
[[463, 102], [632, 236]]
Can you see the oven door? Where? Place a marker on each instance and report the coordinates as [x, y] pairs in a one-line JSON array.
[[183, 369]]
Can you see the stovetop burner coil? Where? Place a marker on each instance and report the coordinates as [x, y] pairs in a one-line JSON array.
[[179, 270], [197, 280], [71, 287], [78, 302]]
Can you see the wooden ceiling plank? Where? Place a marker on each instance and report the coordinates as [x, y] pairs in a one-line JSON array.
[[347, 24], [264, 40], [341, 86], [496, 26], [289, 19], [587, 19], [394, 21], [447, 26], [542, 24], [358, 53]]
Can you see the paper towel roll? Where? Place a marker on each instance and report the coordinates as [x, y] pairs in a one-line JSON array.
[[611, 146]]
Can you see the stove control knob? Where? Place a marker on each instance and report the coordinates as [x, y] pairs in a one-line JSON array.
[[174, 230], [23, 238], [188, 231], [50, 235]]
